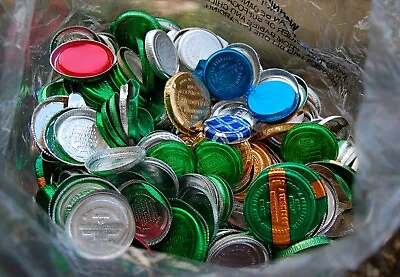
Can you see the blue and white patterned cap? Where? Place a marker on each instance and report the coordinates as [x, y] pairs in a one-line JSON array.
[[227, 129]]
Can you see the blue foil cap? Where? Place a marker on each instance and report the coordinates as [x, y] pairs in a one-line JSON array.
[[273, 101], [227, 129], [199, 70], [228, 74]]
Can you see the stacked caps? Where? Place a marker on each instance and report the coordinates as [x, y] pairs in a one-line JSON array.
[[175, 140]]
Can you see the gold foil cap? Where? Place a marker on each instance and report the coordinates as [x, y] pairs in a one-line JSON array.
[[187, 102]]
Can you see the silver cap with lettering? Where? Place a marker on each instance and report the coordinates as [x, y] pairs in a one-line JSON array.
[[238, 251], [77, 134], [101, 225]]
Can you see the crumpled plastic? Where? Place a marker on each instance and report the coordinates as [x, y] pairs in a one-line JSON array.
[[347, 51]]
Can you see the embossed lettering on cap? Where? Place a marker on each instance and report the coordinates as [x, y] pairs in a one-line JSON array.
[[279, 207]]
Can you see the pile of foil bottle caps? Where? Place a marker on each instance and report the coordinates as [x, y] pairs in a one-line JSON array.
[[174, 140]]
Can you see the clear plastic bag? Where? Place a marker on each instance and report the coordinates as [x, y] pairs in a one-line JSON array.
[[325, 42]]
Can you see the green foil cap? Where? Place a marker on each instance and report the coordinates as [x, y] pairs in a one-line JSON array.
[[177, 155], [219, 159], [154, 103], [167, 24], [343, 170], [109, 128], [52, 89], [131, 25], [199, 198], [39, 171], [280, 207], [54, 147], [112, 107], [303, 245], [315, 182], [147, 71], [97, 93], [345, 188], [133, 106], [44, 196], [117, 77], [226, 195], [60, 189], [309, 142], [151, 209], [102, 131], [146, 123], [71, 191], [188, 236]]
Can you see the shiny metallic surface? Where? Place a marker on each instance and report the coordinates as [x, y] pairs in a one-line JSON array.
[[41, 117], [197, 180], [168, 25], [217, 107], [236, 219], [71, 190], [215, 194], [318, 80], [311, 112], [122, 178], [72, 33], [109, 40], [181, 32], [161, 54], [266, 131], [57, 87], [114, 161], [164, 123], [223, 41], [77, 134], [333, 209], [238, 251], [330, 177], [276, 74], [338, 125], [303, 91], [172, 35], [59, 175], [187, 102], [253, 57], [349, 156], [75, 100], [223, 233], [343, 226], [234, 108], [297, 118], [345, 146], [247, 157], [355, 164], [151, 210], [199, 198], [75, 73], [314, 99], [160, 175], [67, 199], [54, 151], [262, 158], [157, 137], [316, 229], [196, 45], [123, 107], [107, 238], [130, 63]]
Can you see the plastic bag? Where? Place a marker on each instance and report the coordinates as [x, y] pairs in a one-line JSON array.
[[325, 42]]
